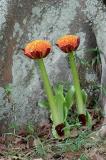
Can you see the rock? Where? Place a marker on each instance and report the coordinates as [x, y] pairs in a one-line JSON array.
[[23, 21]]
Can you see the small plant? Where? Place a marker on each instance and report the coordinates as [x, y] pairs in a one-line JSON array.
[[96, 59], [40, 149], [69, 44], [13, 126], [83, 157], [30, 128], [8, 89]]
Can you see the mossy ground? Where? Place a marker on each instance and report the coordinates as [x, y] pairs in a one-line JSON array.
[[85, 146], [28, 144]]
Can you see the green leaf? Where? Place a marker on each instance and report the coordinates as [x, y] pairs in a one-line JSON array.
[[8, 89], [43, 104], [65, 113], [60, 100], [30, 128], [13, 125], [70, 97], [88, 119], [84, 96], [92, 50], [59, 89], [54, 132]]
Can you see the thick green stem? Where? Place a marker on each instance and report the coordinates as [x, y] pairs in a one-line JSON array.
[[80, 103], [49, 92]]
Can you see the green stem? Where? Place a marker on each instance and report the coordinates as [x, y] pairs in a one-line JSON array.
[[49, 92], [80, 103]]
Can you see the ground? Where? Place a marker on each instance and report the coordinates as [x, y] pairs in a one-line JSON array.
[[28, 144], [84, 147]]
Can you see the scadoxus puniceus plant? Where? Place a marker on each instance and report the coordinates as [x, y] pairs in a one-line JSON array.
[[69, 44], [37, 50], [59, 104]]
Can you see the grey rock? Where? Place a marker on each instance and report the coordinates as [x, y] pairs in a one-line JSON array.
[[23, 21]]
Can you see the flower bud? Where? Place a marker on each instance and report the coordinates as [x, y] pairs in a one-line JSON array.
[[37, 49], [68, 43]]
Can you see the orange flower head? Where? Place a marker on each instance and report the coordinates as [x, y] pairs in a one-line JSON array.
[[37, 49], [68, 43]]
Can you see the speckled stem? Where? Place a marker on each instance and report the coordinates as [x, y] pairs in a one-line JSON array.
[[80, 103], [49, 92]]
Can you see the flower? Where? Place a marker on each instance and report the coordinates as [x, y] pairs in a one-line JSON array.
[[68, 43], [37, 49]]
